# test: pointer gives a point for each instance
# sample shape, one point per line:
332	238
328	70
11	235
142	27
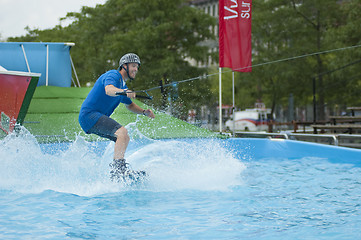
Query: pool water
196	189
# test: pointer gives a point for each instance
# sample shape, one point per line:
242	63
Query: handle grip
137	96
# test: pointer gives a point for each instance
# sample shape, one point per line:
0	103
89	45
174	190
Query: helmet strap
127	71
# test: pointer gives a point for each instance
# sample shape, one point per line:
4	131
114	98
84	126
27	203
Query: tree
165	34
286	29
345	83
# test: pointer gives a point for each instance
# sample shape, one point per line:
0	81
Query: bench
354	109
345	119
296	124
341	127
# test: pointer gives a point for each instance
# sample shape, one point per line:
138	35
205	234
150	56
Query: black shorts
106	127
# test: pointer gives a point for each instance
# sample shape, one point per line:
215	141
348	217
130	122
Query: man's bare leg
119	168
121	143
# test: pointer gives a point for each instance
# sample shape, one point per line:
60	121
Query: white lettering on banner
245	13
232	10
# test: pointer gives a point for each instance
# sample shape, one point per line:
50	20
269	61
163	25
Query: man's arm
111	90
138	110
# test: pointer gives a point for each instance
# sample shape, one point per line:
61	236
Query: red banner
235	46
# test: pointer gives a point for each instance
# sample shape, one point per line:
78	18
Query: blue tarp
59	69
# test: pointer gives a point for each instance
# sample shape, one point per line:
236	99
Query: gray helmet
129	58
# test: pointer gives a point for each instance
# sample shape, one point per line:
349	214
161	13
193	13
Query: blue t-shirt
98	103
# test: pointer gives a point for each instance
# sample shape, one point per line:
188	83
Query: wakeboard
130	177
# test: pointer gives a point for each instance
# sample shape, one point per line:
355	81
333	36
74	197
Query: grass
53	116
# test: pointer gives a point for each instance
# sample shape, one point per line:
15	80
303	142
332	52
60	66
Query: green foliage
346	82
164	33
286	29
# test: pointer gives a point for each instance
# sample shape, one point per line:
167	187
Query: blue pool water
196	189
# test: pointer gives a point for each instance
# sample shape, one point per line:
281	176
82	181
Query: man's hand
149	113
138	110
130	94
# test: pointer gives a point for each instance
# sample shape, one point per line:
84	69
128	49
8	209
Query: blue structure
52	60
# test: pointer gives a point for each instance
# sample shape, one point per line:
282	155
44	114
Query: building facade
209	7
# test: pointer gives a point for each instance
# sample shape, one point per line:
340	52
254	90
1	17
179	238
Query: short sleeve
112	79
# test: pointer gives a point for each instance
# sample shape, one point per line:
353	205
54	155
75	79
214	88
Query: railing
348	140
260	135
344	140
317	138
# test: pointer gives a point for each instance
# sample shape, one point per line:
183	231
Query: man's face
133	69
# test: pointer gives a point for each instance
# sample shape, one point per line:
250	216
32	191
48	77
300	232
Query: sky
15	15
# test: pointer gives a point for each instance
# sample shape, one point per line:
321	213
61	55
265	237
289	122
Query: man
100	104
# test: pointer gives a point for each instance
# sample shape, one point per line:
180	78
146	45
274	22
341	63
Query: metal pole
314	103
47	66
26	59
233	104
76	75
220	100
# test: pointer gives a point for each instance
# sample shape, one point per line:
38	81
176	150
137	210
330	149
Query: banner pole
220	100
233	104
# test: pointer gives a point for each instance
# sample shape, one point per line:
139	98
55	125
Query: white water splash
82	169
175	165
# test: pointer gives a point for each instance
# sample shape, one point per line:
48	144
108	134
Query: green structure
53	116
